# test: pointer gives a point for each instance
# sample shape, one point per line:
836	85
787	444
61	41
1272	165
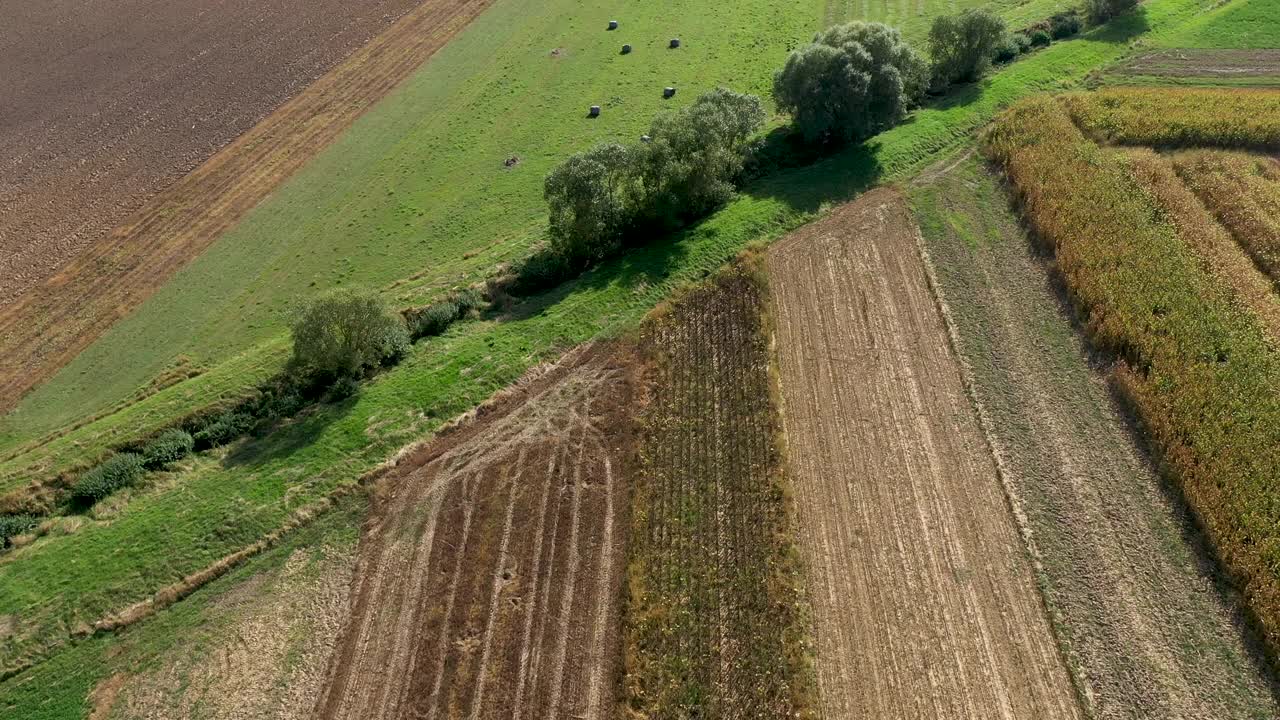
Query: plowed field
924	598
489	575
92	139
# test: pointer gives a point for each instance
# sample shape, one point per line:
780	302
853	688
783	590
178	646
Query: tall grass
1197	367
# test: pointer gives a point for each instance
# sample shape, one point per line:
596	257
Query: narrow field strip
713	628
1147	630
924	599
49	325
492	555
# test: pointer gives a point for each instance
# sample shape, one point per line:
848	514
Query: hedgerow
14	525
168	447
1196	366
119	471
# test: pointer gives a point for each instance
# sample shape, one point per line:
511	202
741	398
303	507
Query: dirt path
925	604
489	576
1150	635
111	274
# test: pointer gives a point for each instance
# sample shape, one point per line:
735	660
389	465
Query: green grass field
1245	25
913	16
220	503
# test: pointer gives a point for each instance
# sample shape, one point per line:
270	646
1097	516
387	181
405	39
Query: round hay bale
613	24
645	138
594	111
668	92
675	42
626	49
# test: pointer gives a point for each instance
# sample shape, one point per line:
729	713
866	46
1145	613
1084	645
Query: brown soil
1204	63
490	572
924	598
138	126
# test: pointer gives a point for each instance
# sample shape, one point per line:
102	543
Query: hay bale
675	42
645	139
613	24
626	49
594	111
668	92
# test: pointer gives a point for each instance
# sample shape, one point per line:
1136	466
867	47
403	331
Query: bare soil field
98	206
712	626
1134	599
490	572
924	597
1201	63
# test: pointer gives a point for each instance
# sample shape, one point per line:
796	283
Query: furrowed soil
490	572
1148	630
97	211
714	625
1199	63
924	598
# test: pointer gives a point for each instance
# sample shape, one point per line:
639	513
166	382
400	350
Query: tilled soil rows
92	140
490	573
1204	63
924	598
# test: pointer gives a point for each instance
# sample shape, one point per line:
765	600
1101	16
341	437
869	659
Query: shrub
434	319
223	429
1064	25
1006	50
343	388
347	333
541	270
168	447
1040	38
120	470
852	82
694	155
591	198
963	45
1103	10
13	525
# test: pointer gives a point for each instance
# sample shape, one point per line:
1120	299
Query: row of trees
685	166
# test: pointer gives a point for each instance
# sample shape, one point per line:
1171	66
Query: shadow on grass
284	437
1122	29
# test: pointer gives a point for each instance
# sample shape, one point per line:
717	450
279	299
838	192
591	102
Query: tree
346	332
963	45
693	156
1103	10
591	199
852	82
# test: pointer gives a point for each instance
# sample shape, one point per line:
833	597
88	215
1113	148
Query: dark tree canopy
963	45
852	82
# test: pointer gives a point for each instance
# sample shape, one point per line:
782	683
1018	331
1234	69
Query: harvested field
713	628
270	655
66	187
924	598
1199	63
1136	603
490	573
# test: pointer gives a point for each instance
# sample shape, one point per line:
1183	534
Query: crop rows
713	620
1225	118
1196	364
1243	191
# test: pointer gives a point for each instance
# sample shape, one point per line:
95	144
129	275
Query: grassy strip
713	624
1243	191
1245	24
149	536
1198	368
59	689
1229	118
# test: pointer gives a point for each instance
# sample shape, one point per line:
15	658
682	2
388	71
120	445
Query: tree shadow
1122	29
281	438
